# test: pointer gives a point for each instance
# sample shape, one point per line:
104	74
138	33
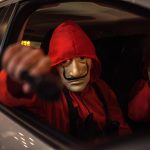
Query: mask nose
75	69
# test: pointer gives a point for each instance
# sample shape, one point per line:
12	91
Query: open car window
118	36
121	40
5	17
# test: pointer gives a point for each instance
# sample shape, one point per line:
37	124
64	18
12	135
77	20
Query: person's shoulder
104	87
102	83
139	86
106	90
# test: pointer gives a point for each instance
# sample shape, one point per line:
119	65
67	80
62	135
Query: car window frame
12	36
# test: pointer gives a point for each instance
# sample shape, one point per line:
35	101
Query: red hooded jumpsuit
139	106
69	41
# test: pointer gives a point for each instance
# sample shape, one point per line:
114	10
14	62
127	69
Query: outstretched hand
18	58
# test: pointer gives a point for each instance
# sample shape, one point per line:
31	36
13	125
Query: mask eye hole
66	63
82	59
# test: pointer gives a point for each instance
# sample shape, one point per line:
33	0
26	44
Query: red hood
68	41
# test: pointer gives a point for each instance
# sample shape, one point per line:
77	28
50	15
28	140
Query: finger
17	59
29	61
26	88
9	53
43	67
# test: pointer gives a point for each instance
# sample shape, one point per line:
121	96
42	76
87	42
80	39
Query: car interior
121	39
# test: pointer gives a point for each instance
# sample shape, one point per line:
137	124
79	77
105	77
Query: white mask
75	73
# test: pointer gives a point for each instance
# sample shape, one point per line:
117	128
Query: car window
117	35
5	14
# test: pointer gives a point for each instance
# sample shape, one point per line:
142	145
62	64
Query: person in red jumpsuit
87	107
139	105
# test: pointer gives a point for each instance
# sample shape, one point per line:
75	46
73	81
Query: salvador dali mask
75	73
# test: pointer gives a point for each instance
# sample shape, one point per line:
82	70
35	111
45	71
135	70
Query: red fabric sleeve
7	98
114	108
54	113
138	108
33	104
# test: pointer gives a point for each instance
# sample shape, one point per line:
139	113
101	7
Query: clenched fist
18	58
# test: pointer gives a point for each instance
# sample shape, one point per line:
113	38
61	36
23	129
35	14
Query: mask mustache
71	78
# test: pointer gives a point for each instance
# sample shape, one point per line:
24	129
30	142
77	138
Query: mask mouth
71	78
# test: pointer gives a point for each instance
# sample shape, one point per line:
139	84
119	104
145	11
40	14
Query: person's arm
14	90
139	105
11	93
